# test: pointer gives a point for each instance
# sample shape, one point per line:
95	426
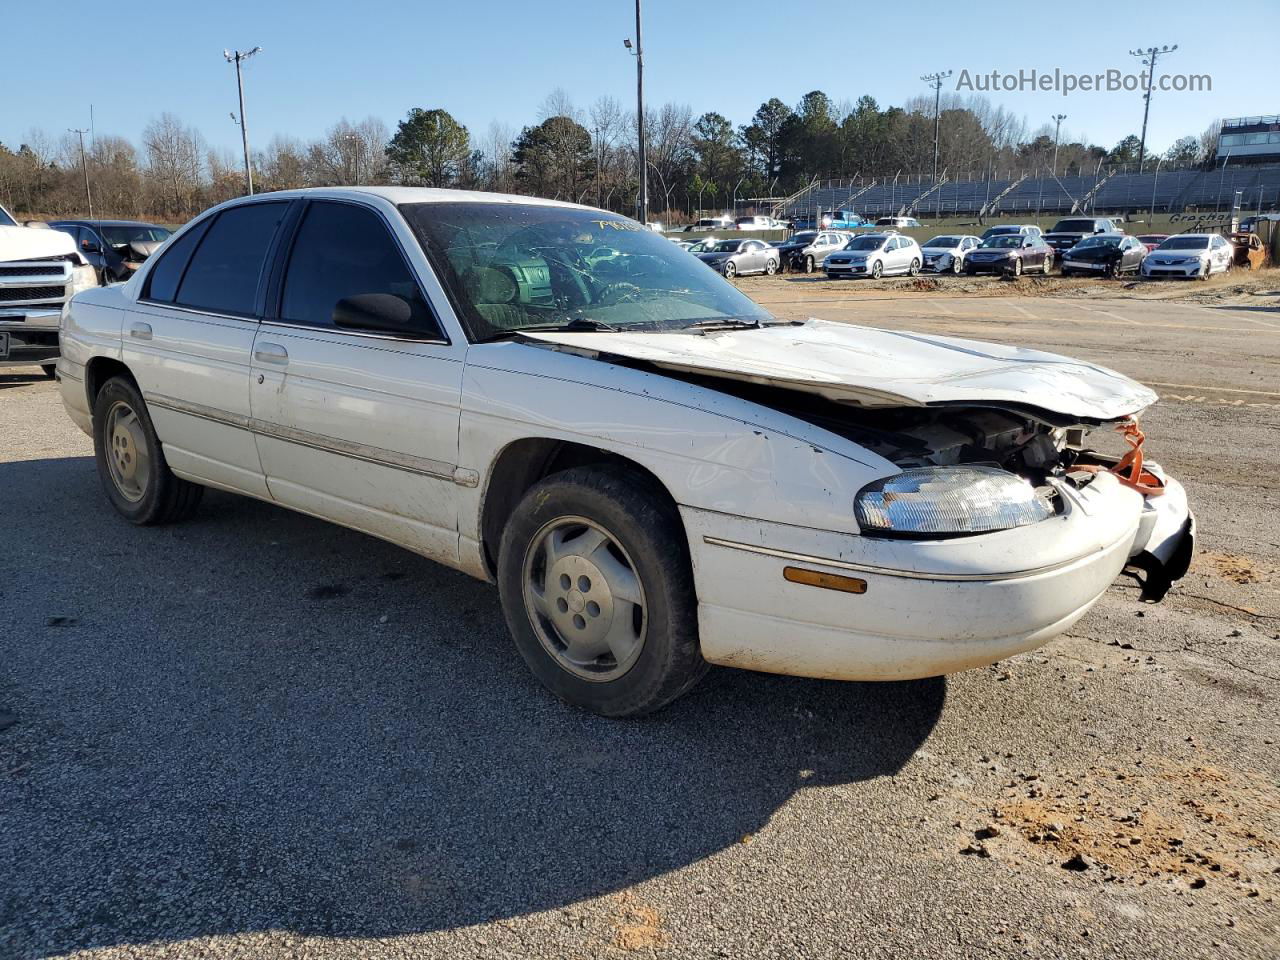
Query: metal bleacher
1116	190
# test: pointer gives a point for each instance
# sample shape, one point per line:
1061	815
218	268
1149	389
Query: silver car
875	255
945	254
737	257
809	257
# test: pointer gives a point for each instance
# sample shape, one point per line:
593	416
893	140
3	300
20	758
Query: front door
356	414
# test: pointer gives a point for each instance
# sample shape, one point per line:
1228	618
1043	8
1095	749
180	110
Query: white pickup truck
40	270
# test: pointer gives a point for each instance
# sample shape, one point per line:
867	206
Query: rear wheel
131	463
914	269
770	267
730	270
1046	267
597	590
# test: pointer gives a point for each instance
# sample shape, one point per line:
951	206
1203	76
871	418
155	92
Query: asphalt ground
256	734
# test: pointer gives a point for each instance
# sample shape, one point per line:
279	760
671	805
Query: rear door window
225	270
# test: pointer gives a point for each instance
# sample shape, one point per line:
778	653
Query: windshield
1073	226
867	241
1185	243
510	266
1099	242
1004	240
123	236
804	238
5	219
943	242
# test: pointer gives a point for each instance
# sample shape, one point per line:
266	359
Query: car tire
615	538
131	462
876	270
770	267
1016	269
956	266
808	265
730	270
1046	265
50	370
914	269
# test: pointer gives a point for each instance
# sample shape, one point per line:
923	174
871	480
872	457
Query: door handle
271	353
140	331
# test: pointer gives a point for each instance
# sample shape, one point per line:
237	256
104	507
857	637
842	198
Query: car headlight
949	500
83	278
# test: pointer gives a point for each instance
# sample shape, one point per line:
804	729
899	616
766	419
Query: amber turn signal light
828	581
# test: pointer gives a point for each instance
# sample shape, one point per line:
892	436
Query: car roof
399	195
104	223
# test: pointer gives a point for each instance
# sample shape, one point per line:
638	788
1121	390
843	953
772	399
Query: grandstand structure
1105	191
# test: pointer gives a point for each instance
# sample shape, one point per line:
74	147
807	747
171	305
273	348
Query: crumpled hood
882	368
27	243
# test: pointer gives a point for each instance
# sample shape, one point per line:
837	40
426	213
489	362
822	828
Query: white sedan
945	254
1190	256
657	474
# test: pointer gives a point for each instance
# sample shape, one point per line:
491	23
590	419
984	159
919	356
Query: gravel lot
258	734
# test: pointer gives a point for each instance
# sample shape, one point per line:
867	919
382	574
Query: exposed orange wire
1129	470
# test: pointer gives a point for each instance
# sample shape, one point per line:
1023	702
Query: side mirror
374	311
90	246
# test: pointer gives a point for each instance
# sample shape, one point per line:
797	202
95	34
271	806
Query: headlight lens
83	278
947	500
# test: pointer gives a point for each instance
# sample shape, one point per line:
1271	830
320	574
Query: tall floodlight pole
935	80
1148	58
238	58
1057	129
84	166
356	142
642	200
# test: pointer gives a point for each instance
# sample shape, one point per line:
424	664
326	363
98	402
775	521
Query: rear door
188	339
355	423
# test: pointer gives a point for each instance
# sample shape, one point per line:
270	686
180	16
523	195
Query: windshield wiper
576	325
722	323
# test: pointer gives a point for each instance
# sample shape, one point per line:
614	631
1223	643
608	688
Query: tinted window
162	282
224	271
343	250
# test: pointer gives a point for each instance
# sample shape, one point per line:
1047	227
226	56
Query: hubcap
128	459
584	599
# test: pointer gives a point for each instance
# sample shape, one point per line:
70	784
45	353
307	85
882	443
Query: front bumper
987	266
29	340
929	607
1091	265
1186	270
845	269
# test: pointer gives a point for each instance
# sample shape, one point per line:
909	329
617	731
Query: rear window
224	271
1073	226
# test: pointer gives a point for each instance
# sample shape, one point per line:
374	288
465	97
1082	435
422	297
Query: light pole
1148	58
355	154
642	201
1057	129
238	58
84	165
935	80
1155	180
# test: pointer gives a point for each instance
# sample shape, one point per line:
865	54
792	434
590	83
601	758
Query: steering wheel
615	293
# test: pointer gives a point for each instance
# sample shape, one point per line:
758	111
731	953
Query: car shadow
259	721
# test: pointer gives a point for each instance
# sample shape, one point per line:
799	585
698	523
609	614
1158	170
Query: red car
1152	240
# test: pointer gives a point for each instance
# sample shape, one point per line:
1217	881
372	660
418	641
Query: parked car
1010	229
1152	240
1198	255
946	253
806	250
1070	231
710	223
897	223
1250	224
1249	253
875	255
1107	254
735	258
1011	253
705	245
845	220
416	364
116	248
758	223
40	270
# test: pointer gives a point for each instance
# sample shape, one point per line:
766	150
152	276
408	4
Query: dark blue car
116	248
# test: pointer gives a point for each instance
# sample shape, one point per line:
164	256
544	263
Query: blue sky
498	59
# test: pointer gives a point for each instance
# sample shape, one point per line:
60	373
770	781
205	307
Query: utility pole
1057	129
238	58
1148	58
642	202
935	80
84	165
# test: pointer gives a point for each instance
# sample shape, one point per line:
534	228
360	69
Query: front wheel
808	264
914	269
597	589
131	463
956	266
877	268
1016	268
